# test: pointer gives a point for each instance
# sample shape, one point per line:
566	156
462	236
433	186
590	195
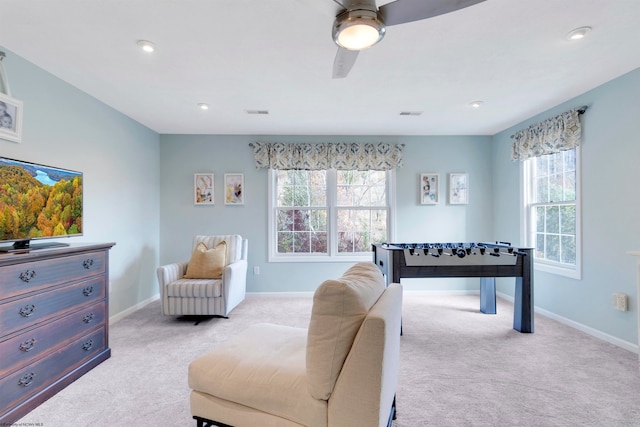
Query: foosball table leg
488	295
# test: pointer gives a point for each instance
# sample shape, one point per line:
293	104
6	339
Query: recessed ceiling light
146	45
476	104
203	106
578	33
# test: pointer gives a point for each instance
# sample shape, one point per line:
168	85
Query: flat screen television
38	202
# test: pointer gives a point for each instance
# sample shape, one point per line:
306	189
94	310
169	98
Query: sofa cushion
262	368
195	288
339	307
207	263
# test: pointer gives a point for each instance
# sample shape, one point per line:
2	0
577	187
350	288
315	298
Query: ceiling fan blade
343	62
403	11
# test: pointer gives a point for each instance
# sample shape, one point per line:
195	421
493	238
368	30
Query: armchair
207	297
341	371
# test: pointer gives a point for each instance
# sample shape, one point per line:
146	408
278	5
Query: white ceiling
277	55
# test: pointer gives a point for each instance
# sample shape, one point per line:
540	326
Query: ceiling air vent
263	112
410	113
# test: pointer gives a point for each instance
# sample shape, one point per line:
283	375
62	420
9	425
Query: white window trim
574	272
273	255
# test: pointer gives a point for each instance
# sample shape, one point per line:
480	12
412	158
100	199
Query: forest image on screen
38	201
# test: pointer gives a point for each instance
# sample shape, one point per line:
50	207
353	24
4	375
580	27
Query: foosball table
484	260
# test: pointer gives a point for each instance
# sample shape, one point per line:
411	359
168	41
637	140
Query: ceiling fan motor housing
352	20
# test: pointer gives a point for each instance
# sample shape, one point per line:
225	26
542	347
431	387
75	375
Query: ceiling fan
361	24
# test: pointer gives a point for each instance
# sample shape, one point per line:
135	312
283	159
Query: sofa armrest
365	389
170	273
234	280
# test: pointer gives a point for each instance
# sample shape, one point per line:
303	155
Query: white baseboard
113	319
579	326
277	294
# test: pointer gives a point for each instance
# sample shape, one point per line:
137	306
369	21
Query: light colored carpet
458	367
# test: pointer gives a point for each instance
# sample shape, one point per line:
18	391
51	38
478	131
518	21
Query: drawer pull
27	310
27	275
88	318
87	263
27	345
87	291
26	380
87	345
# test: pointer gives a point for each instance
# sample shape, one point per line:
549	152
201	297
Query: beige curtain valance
340	156
559	133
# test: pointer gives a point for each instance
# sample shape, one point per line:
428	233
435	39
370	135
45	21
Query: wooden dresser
54	322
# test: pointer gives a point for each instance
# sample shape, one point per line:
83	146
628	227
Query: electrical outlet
256	270
620	301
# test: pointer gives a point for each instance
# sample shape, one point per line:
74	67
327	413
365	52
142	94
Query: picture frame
203	189
429	188
10	118
458	188
234	189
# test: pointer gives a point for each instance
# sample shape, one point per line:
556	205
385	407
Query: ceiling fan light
146	46
578	33
358	29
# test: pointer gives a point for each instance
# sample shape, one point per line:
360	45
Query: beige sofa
341	371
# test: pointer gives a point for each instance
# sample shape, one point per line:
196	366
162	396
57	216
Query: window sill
573	273
323	258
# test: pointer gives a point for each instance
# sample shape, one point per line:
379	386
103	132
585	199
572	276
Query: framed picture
10	118
458	188
203	189
233	189
429	188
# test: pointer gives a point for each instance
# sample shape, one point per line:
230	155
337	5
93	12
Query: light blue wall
138	194
610	207
184	155
120	159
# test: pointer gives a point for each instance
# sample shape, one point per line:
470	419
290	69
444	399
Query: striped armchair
206	297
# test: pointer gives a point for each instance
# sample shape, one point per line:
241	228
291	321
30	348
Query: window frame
333	255
528	206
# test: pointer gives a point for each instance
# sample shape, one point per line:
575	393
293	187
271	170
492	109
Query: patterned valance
340	156
556	134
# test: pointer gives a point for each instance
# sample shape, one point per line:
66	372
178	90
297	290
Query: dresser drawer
26	382
29	346
22	278
31	310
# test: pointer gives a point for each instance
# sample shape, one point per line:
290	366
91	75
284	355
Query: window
328	215
552	211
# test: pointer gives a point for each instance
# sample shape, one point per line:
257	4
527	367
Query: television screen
38	202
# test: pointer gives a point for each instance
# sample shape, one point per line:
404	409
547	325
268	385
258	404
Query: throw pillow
207	263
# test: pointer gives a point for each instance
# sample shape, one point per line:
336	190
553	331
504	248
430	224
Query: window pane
568	219
542	190
302	242
569	160
319	242
552	219
541	166
284	220
568	250
285	242
552	247
569	186
540	245
556	188
540	219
